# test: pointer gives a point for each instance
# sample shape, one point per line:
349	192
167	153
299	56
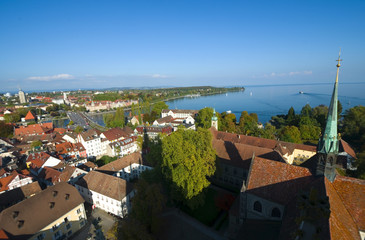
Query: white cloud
53	77
156	75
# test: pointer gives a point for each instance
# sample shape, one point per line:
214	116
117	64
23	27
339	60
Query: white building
179	113
92	143
106	192
122	147
14	180
22	98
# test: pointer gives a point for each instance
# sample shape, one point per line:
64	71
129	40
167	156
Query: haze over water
271	100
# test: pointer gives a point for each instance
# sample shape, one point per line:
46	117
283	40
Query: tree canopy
204	118
188	158
158	107
115	120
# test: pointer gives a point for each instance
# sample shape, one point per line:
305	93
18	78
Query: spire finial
339	60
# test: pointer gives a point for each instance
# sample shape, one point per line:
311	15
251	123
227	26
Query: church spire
327	149
329	140
214	120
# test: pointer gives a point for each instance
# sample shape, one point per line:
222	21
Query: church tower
214	120
328	144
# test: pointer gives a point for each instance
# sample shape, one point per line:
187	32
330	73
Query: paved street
99	223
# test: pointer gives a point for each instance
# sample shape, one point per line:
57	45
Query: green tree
36	144
309	132
269	132
290	134
188	158
248	123
148	204
119	118
115	120
320	114
79	129
228	123
306	111
204	118
12	118
6	130
354	127
159	106
291	118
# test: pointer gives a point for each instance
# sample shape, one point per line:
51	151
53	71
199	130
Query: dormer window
15	214
54	193
67	196
51	205
20	223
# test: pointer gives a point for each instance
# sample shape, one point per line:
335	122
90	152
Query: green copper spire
214	118
329	140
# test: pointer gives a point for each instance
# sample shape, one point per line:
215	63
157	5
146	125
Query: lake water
269	101
266	101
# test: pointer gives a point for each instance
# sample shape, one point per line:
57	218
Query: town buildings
112	194
55	213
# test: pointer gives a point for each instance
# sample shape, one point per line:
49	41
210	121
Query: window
78	211
80	217
68	226
55	227
82	223
257	206
69	233
275	213
66	220
40	236
57	235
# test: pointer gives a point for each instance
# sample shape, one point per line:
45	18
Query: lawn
207	213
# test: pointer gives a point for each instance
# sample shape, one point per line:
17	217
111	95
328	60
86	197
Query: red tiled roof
29	116
280	146
341	224
60	130
352	194
50	174
114	134
276	181
344	146
3	235
34	129
38	156
121	163
240	155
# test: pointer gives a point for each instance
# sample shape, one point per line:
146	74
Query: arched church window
275	213
257	206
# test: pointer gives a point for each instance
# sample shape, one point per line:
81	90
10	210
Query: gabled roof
50	174
192	112
90	134
276	181
279	146
352	194
115	133
29	116
240	155
121	163
16	195
166	119
40	128
5	181
345	147
63	197
107	185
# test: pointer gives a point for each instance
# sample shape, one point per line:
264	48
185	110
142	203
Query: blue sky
70	44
